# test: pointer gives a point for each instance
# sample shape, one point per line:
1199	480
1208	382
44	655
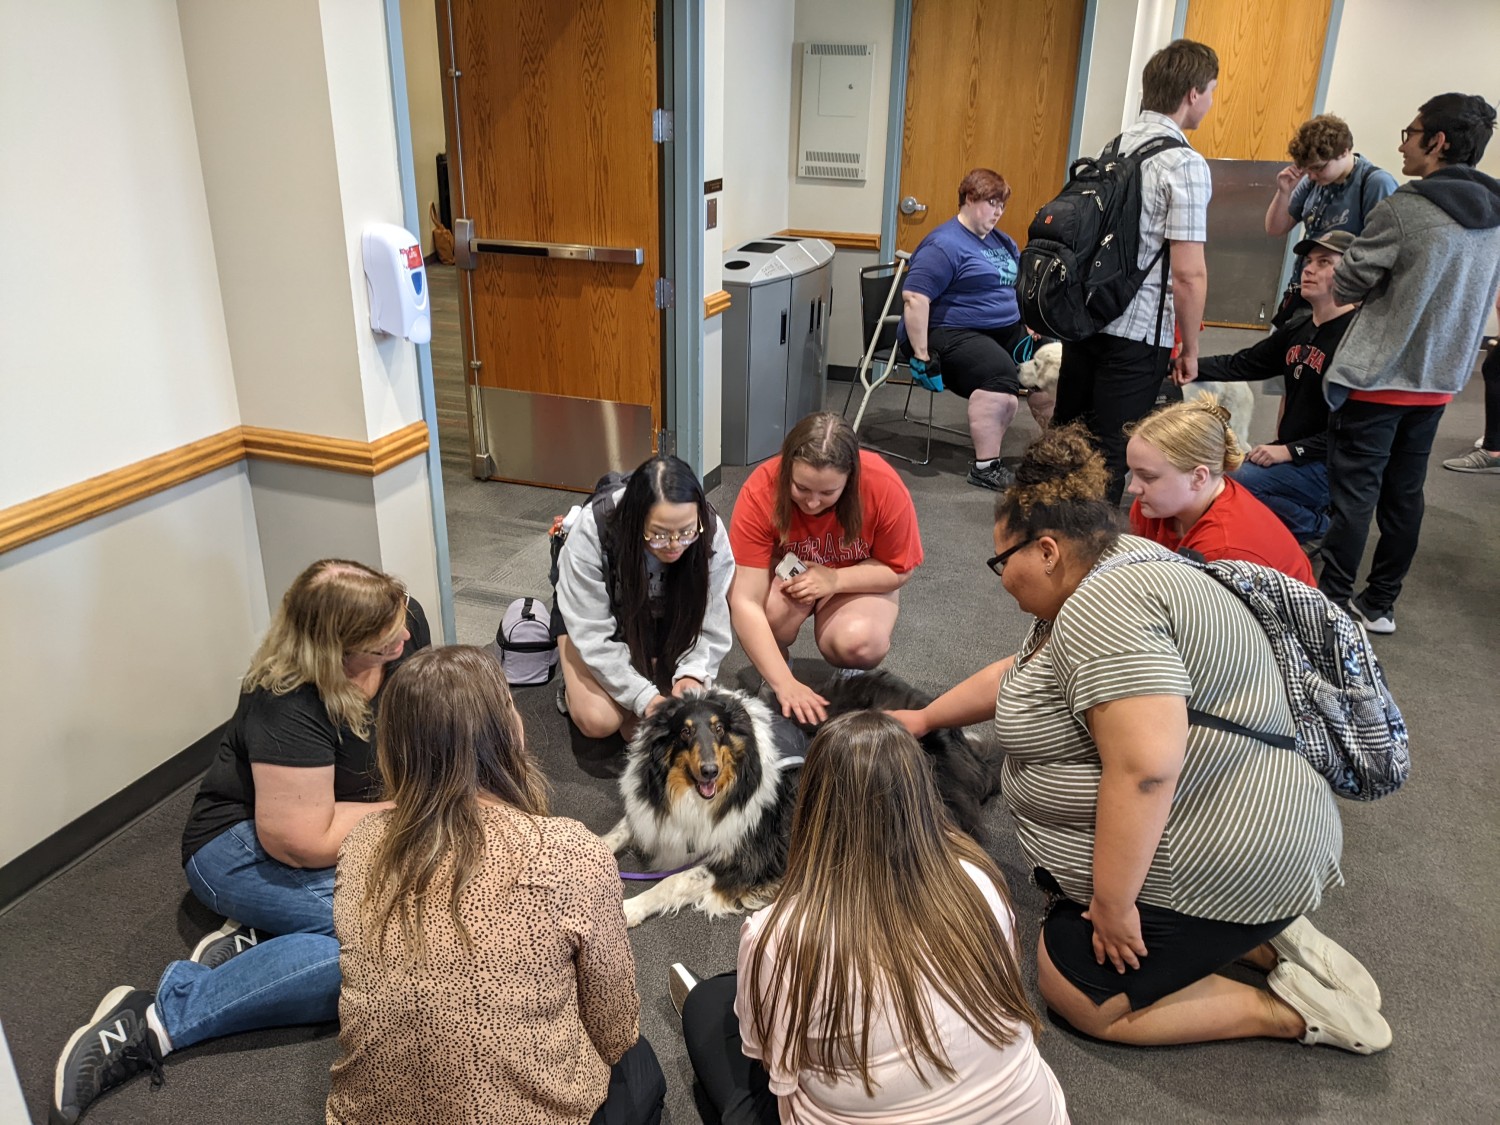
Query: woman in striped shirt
1168	850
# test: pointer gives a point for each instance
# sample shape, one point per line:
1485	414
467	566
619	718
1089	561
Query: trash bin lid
764	260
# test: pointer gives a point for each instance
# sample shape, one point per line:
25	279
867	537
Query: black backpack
1078	271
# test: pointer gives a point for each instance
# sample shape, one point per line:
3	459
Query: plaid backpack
1348	726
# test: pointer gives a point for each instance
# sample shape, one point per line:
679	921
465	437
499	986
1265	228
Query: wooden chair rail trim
844	240
67	507
715	303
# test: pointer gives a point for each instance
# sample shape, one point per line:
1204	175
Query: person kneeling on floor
642	598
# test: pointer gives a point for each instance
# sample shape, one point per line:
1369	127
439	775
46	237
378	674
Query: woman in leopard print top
486	972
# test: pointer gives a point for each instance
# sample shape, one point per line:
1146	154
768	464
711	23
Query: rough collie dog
712	779
1237	398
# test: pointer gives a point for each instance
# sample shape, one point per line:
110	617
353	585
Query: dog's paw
635	912
617	839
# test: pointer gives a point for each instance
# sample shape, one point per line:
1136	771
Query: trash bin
775	341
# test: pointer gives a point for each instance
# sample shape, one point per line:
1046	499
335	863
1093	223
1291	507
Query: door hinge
666	443
666	294
661	125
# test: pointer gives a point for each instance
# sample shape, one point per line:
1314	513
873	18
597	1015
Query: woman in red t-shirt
849	521
1178	457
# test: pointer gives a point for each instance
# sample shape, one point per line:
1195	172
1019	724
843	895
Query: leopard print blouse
521	1030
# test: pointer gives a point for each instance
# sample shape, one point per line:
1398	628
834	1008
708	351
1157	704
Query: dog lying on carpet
712	779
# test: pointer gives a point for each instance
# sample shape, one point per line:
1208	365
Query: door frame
895	122
681	68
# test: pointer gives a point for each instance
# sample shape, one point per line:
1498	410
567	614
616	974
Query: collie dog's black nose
709	769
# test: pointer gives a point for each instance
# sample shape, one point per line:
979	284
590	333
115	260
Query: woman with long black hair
642	597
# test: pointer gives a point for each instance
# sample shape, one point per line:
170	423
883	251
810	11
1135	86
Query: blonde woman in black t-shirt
295	772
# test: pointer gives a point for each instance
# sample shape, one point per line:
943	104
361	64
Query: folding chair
879	289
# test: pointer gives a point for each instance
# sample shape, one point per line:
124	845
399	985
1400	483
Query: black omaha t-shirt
287	730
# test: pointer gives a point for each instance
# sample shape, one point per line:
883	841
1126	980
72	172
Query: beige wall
1389	60
194	179
424	95
112	339
757	117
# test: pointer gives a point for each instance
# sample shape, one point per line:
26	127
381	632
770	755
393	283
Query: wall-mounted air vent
834	137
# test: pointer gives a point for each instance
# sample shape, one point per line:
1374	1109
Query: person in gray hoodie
643	598
1426	269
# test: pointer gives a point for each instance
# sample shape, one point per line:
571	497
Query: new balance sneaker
1477	460
229	940
993	476
1374	620
113	1047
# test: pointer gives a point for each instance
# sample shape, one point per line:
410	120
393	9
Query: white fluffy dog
1039	375
1237	398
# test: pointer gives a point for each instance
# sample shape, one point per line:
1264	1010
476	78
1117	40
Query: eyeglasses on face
1408	134
997	564
662	540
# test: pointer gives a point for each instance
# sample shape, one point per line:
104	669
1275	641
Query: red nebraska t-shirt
890	523
1236	526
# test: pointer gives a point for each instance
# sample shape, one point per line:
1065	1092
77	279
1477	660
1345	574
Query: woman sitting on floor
1168	850
848	518
1178	457
883	985
487	975
294	773
642	598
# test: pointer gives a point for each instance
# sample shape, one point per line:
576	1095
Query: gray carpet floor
1419	906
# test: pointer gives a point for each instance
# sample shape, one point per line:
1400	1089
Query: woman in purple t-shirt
961	324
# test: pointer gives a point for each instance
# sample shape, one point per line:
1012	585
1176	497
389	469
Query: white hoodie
583	600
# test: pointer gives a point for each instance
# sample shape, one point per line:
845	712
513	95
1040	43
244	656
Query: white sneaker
680	981
1327	960
1335	1018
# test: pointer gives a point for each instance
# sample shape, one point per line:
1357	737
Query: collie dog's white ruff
1237	398
686	830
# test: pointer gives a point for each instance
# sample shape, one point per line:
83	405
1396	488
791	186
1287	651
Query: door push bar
467	248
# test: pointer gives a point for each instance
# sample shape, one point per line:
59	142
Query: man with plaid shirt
1111	379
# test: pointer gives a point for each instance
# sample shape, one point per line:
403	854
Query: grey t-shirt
1340	206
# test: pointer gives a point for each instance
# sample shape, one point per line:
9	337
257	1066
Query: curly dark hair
1061	490
1323	138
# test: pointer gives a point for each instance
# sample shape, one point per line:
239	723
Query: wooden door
1270	54
551	118
989	84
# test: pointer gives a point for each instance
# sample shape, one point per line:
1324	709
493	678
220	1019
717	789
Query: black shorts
976	359
1181	949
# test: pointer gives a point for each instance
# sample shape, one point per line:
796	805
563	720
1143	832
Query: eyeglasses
997	564
1408	134
661	540
996	202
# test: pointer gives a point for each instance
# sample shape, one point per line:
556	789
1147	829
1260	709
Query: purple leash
649	875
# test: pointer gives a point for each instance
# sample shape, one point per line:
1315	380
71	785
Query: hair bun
1059	467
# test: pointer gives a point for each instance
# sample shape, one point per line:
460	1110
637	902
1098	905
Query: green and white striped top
1253	834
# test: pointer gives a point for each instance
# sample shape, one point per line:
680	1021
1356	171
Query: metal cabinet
775	341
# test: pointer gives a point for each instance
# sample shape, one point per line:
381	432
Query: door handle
783	326
467	248
910	206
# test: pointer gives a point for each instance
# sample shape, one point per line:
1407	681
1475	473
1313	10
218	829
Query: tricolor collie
711	779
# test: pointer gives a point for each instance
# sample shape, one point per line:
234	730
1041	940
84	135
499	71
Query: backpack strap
1215	722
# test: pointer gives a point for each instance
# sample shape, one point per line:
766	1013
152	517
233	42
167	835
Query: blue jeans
1298	494
289	979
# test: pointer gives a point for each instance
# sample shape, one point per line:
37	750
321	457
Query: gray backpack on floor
524	643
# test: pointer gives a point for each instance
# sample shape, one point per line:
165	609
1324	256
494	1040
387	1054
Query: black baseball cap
1338	241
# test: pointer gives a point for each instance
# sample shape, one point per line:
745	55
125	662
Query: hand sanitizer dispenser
397	282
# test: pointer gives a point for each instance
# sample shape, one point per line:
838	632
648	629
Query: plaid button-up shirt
1175	190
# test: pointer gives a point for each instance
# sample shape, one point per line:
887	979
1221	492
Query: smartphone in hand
789	567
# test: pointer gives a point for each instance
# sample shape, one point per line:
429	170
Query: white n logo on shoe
245	940
119	1035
